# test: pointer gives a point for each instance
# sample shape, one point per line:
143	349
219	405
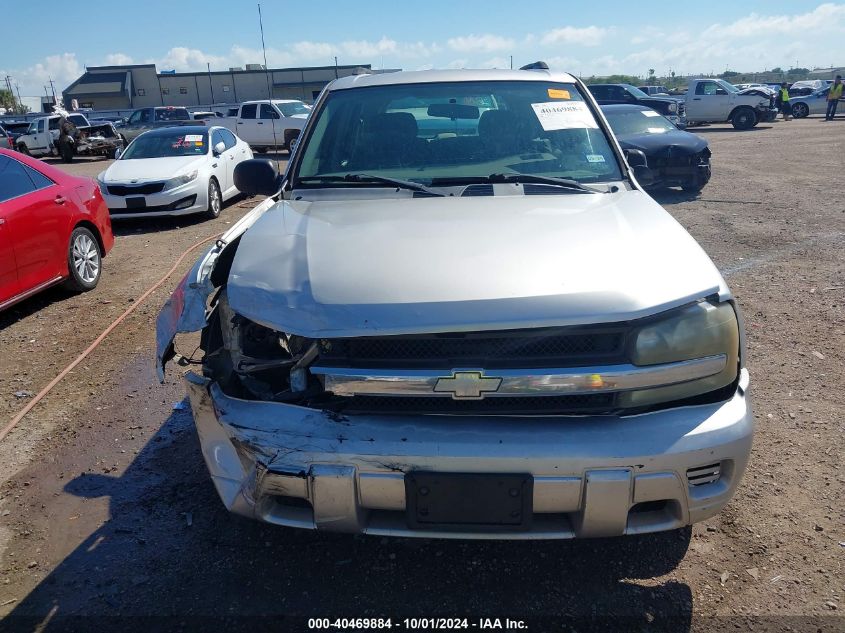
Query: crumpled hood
673	142
394	266
147	169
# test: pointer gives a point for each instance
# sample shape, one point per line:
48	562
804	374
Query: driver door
712	101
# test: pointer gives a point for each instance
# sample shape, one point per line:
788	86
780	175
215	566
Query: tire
800	110
110	154
125	142
260	150
23	149
215	200
84	261
744	119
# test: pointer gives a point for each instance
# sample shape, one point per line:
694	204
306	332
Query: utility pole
335	66
210	86
511	62
20	101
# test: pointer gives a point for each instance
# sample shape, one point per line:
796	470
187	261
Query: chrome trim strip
515	382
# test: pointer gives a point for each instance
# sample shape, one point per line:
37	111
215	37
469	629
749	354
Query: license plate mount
136	203
469	501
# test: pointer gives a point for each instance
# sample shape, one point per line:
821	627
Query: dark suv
670	107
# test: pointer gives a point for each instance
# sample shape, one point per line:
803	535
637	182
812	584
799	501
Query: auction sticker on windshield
564	116
650	113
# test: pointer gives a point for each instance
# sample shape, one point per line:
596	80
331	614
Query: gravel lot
106	507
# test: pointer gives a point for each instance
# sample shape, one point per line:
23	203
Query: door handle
240	122
59	200
696	98
214	165
260	123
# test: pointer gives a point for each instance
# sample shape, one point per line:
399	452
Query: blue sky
599	37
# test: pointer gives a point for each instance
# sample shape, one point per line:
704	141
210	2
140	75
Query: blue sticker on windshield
595	158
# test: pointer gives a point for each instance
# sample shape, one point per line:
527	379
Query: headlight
763	104
673	107
180	180
696	331
103	188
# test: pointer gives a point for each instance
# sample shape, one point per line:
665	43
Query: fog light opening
703	475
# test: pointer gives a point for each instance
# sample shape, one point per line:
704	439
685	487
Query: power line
267	74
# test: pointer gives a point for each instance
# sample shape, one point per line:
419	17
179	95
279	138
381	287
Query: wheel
83	261
744	119
260	150
23	149
800	110
215	199
125	142
111	154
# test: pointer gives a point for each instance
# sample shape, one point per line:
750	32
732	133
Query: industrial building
141	85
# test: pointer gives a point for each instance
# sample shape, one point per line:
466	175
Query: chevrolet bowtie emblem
467	385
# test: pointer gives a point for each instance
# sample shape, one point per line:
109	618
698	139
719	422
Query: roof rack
536	66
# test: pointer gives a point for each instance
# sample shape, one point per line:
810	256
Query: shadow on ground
169	549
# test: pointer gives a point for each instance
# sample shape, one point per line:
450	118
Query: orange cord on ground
8	428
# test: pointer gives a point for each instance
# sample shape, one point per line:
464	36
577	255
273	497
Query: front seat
390	140
498	131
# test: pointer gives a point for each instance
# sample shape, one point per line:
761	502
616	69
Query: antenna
267	74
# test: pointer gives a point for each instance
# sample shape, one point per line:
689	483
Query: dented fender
186	310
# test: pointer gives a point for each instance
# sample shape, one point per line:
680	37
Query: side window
54	124
248	111
146	116
14	181
268	111
38	179
706	88
41	125
136	117
217	137
599	92
228	138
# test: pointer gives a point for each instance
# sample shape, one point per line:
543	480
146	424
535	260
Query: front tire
23	149
66	152
215	200
800	110
744	119
84	261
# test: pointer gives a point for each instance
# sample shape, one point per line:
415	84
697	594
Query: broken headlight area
254	362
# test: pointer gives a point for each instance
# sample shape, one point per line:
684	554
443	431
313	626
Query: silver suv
459	315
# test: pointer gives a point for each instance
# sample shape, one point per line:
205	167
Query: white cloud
118	59
825	17
586	36
480	43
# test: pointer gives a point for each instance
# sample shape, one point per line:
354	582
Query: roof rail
536	66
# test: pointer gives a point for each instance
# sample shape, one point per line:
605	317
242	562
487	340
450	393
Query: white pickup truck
267	123
42	138
717	101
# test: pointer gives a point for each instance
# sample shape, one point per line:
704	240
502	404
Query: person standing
783	100
833	97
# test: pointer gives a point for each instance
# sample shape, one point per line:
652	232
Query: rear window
173	114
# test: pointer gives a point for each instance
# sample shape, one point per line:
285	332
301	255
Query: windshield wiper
370	178
540	180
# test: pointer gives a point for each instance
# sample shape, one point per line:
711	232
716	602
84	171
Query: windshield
290	109
166	145
436	133
635	91
728	87
630	122
172	114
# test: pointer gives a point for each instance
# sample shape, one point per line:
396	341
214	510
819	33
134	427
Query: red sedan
54	228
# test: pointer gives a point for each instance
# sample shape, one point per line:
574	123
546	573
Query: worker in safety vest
783	101
833	98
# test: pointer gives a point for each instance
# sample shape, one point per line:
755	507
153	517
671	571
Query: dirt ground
106	508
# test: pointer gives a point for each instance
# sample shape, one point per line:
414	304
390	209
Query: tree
777	70
798	71
8	101
729	73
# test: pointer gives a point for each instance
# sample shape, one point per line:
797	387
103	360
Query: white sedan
174	171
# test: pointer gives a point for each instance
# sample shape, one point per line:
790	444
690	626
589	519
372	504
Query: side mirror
220	148
118	153
258	177
639	165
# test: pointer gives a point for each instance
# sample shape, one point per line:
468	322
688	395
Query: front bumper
767	115
184	200
593	476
